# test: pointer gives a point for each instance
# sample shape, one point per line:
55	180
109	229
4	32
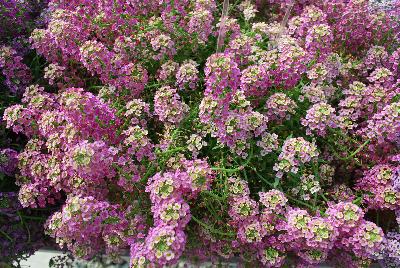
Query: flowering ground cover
264	131
21	229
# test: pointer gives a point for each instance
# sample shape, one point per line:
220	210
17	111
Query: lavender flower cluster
206	131
17	20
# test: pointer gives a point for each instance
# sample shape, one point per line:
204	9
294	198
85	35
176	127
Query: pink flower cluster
320	117
165	242
264	132
86	225
224	108
187	75
8	161
168	105
295	153
278	228
380	187
16	72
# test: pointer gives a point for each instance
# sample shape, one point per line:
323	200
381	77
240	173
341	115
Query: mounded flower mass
263	131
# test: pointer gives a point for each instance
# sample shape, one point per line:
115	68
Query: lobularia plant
281	148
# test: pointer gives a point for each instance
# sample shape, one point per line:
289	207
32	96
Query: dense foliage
204	130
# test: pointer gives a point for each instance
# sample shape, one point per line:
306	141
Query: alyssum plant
269	133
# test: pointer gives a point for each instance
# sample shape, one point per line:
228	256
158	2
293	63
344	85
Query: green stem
7	236
238	168
211	229
324	197
357	201
150	171
226	169
219	198
352	154
173	150
302	203
358	150
264	179
272	185
25	225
